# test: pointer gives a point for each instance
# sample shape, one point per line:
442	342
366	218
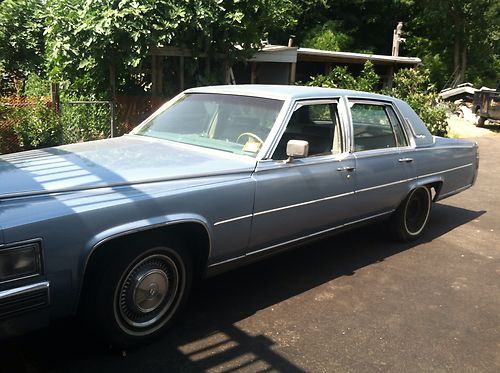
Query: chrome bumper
22	299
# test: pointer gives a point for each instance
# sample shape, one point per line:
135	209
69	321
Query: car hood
120	161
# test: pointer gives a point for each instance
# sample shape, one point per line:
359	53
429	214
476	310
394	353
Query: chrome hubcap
148	291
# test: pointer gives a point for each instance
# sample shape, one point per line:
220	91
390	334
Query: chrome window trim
292	107
271	164
24	289
357	100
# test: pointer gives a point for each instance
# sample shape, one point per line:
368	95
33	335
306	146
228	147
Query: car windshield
237	124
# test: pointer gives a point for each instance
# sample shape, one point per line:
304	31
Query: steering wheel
252	135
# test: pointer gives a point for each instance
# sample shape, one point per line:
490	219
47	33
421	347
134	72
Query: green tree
457	39
21	39
327	37
111	38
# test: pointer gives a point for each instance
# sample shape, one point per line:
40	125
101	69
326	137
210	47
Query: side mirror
297	149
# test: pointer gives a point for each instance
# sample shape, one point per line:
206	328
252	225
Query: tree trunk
112	96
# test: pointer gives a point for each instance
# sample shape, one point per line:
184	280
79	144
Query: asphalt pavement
357	302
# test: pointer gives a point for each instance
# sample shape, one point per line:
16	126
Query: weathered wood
253	73
293	72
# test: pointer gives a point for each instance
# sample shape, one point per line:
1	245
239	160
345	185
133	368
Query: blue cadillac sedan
117	230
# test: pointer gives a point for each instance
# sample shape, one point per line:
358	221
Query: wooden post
328	68
390	77
293	72
55	97
253	73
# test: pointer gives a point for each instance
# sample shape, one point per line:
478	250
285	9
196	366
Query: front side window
232	123
318	124
376	127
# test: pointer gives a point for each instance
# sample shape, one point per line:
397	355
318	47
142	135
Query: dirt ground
461	128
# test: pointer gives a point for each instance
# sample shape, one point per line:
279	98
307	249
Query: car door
307	196
382	169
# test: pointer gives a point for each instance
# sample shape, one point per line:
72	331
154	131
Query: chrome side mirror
297	149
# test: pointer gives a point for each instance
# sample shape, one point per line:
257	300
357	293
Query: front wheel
140	293
410	219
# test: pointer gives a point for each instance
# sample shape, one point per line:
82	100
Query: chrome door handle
405	160
347	168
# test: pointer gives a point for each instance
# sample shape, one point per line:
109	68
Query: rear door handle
407	160
347	168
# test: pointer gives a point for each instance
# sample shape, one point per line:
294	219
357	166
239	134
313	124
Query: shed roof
280	53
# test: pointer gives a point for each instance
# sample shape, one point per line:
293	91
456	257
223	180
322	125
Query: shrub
8	138
36	126
413	86
341	78
85	122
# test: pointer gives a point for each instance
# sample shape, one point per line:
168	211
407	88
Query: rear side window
376	127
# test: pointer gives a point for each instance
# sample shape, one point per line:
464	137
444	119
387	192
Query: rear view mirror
297	149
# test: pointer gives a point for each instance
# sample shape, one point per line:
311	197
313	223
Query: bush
36	126
85	122
341	78
413	86
8	138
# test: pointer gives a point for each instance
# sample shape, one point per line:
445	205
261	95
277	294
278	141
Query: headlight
19	262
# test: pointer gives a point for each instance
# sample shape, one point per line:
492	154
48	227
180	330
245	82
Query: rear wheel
139	293
410	219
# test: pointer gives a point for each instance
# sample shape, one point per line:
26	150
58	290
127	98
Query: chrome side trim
24	289
339	195
320	232
302	238
302	203
233	219
385	185
455	191
448	170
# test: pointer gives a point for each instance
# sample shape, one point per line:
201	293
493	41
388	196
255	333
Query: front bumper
17	308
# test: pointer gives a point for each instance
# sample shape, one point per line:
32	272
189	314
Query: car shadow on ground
207	337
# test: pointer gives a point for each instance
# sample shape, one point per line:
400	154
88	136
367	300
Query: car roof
285	91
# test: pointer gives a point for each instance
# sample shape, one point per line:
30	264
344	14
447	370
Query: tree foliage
94	35
327	37
21	40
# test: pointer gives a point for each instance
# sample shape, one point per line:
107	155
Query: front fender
96	241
